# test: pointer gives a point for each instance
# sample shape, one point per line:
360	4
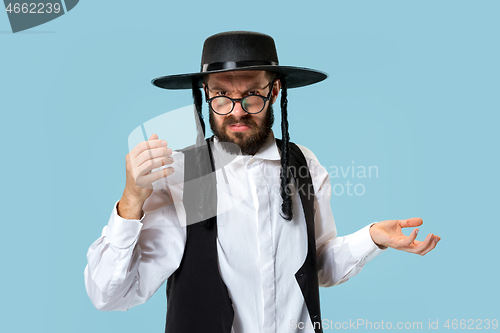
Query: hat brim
295	76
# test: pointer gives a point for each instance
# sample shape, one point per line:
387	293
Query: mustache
245	120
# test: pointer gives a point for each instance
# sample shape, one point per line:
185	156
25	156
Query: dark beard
252	144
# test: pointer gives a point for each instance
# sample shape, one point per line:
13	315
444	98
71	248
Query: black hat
236	51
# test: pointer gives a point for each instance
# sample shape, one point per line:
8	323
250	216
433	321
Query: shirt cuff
121	232
362	246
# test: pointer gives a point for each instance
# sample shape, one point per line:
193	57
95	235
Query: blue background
413	89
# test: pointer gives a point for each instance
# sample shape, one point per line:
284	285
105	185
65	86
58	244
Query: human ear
276	90
205	90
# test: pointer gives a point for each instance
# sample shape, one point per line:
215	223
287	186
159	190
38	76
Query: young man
251	259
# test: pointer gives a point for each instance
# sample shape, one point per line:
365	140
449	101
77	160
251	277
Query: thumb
153	137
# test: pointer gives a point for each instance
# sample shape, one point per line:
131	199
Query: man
263	246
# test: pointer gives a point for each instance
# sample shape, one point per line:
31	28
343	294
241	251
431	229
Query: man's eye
253	93
221	93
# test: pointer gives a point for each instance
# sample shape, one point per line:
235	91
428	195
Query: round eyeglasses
252	104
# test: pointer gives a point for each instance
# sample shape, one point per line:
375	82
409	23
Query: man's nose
238	111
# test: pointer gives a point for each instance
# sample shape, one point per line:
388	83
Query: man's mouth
238	127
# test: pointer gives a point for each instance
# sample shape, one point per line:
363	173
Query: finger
410	238
151	154
149	165
145	145
154	176
423	246
153	136
413	222
434	242
418	246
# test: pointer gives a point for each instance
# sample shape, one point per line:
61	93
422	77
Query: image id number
33	8
471	324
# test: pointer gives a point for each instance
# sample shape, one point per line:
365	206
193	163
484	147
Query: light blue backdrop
413	90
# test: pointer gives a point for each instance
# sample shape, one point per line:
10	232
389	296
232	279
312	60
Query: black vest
197	298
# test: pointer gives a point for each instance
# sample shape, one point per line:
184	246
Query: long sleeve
112	264
133	258
338	258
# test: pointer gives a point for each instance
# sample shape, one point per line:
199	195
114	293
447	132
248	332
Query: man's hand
146	156
388	233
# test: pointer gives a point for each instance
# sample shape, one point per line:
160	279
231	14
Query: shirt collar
269	151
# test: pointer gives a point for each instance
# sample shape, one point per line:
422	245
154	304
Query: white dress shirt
259	252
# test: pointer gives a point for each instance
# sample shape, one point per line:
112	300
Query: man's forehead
240	78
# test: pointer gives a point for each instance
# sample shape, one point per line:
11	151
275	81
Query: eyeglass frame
234	100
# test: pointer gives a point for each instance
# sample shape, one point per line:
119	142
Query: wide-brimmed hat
238	51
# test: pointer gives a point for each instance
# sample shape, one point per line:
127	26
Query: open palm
389	233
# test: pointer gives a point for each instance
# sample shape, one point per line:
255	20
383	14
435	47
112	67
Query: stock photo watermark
356	173
357	324
345	180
